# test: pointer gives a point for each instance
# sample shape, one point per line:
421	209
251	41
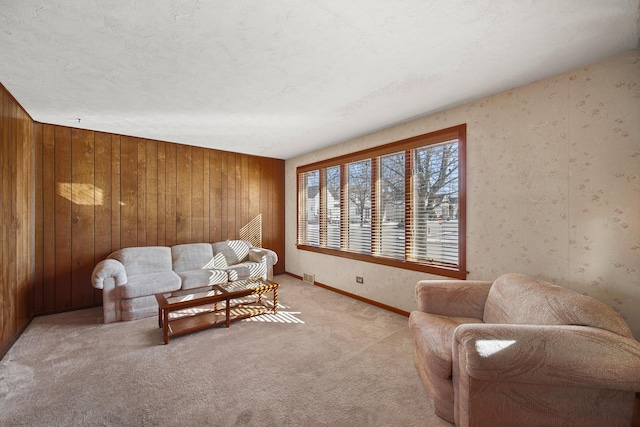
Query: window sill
438	270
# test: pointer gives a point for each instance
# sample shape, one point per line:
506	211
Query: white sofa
130	277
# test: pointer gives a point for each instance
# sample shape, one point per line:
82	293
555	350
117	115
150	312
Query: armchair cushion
522	299
561	355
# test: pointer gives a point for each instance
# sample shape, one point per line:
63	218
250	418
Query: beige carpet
325	360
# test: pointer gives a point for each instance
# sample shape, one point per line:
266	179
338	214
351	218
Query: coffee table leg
275	301
159	317
165	326
227	311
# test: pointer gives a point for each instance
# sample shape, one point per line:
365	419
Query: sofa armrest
548	354
107	275
266	257
459	298
257	254
108	268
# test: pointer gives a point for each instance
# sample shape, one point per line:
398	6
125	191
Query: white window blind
434	223
359	212
392	205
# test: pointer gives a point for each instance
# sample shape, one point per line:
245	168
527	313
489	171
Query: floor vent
309	278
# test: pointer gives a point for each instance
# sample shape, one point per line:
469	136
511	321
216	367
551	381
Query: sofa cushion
238	272
245	270
149	284
192	256
230	252
200	278
521	299
138	308
433	338
144	260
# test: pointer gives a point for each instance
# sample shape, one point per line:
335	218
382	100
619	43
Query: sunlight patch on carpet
282	316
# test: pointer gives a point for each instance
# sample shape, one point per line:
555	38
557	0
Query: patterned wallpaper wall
553	182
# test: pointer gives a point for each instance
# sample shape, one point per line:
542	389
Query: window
332	200
312	207
400	204
392	205
358	214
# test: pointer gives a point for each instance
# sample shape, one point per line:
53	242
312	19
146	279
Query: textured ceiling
280	78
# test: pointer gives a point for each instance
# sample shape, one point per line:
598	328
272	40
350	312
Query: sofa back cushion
192	256
521	299
144	260
230	252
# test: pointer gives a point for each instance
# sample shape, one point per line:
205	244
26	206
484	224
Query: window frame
407	145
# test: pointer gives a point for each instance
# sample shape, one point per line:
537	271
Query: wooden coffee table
184	312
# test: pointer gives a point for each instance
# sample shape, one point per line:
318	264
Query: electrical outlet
359	279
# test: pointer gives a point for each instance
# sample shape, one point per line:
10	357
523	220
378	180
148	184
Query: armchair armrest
548	354
460	298
108	269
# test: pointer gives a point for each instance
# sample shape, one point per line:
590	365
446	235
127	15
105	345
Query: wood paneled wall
97	192
69	197
16	220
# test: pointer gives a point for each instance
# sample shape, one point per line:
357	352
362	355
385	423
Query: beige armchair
522	352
